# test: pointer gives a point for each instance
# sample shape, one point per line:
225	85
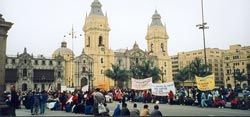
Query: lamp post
78	83
162	75
73	36
89	75
203	27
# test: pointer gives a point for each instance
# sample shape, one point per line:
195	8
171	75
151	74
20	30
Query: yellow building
96	44
236	58
157	46
214	56
69	64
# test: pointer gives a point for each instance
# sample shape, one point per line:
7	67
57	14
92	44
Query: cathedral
96	57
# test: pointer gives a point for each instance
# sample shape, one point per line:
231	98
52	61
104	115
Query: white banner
141	84
85	88
163	89
63	88
71	89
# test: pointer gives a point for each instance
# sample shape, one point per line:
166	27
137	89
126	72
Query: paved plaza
166	109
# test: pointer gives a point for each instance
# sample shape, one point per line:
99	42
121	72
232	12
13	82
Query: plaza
166	109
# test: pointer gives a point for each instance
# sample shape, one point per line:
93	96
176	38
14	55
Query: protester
171	96
156	112
135	111
43	100
203	100
125	111
98	99
145	111
117	111
89	104
13	100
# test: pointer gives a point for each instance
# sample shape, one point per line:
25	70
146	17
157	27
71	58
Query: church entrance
84	81
24	87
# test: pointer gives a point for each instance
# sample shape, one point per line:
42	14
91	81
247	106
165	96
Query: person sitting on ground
216	102
145	111
135	111
234	103
156	112
222	103
124	111
117	111
56	106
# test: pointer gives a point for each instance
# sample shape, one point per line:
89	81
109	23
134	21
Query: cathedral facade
96	46
28	72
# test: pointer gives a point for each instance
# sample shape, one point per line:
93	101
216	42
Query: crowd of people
93	102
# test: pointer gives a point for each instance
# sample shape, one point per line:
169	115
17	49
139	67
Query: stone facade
83	70
27	72
4	28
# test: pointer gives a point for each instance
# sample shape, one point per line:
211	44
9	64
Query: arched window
100	43
162	47
101	60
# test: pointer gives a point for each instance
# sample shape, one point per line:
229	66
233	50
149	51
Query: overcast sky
40	25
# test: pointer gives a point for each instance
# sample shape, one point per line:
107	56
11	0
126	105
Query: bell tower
96	43
157	38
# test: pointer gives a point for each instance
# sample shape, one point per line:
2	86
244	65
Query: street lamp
78	83
89	75
162	75
203	27
73	36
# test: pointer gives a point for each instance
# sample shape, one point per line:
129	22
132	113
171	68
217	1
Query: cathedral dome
63	51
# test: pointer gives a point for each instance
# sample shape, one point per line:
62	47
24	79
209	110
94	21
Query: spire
25	50
96	8
156	20
83	52
135	45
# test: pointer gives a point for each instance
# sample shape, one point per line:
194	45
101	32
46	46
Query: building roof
156	20
96	8
63	50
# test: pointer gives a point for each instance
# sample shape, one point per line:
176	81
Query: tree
145	71
239	76
197	68
117	74
182	75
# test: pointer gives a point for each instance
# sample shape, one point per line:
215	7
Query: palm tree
239	76
182	75
197	68
145	71
117	74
